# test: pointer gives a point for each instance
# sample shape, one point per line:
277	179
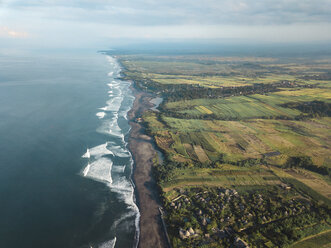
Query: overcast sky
66	23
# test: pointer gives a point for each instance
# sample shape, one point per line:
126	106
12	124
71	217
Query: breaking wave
100	114
100	150
101	165
108	244
100	170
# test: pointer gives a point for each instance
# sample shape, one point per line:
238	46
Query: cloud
99	22
175	12
7	32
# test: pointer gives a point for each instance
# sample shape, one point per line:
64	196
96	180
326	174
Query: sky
99	23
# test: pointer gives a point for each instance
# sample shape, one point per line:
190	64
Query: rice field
204	110
248	107
220	178
217	71
212	139
240	140
306	94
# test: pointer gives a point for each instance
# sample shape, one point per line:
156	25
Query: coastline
142	149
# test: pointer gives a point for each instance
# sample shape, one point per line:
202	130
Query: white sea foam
113	84
86	170
103	108
119	151
111	127
100	150
123	218
122	184
87	154
125	189
108	244
100	115
119	168
113	104
100	167
100	170
124	113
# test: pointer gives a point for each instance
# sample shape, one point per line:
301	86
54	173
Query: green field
322	240
215	72
220	178
233	123
252	106
242	139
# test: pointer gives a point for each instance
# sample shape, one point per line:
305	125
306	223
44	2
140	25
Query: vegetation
272	216
315	241
271	106
240	142
307	163
246	144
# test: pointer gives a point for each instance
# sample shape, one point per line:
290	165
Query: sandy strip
142	148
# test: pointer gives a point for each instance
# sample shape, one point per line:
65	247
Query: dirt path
141	146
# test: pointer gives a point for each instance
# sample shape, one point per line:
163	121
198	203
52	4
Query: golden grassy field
220	178
245	139
209	71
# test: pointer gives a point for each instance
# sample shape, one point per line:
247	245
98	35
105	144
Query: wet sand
142	149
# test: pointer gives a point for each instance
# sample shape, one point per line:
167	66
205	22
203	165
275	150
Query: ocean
65	177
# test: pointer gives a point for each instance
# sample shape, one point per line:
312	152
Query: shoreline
143	151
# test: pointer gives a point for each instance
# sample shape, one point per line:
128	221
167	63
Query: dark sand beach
142	148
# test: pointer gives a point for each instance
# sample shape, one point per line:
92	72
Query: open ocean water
65	170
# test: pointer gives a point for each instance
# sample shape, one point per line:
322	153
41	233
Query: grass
307	190
240	140
254	129
220	177
306	180
321	240
306	94
313	180
208	71
247	107
204	110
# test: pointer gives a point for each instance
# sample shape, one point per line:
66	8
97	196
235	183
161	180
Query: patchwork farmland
246	144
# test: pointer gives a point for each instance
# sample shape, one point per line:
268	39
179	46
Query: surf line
99	166
87	168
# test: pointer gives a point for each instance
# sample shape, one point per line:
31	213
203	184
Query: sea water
66	171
